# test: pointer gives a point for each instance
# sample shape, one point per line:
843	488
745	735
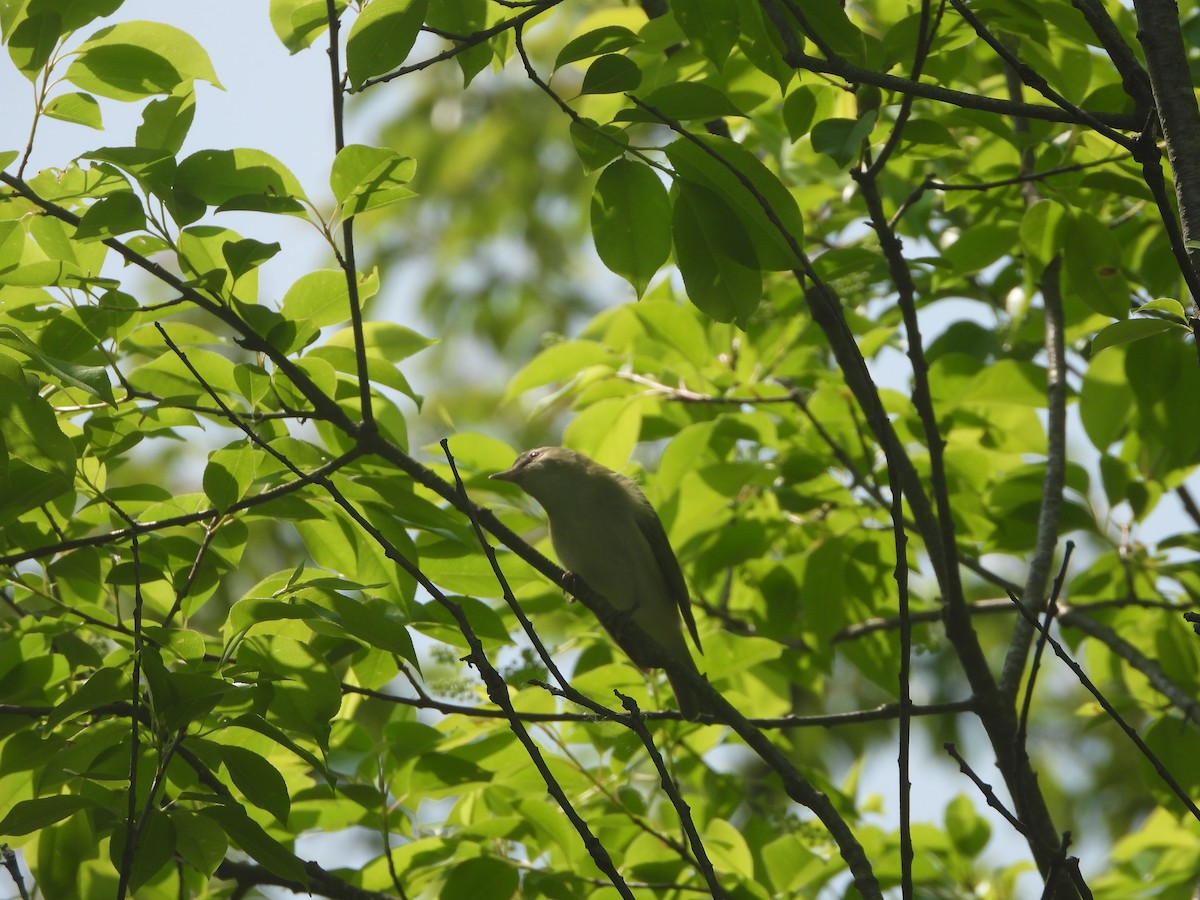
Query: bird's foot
570	584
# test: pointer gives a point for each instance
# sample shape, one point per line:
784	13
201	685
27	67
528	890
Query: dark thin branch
1167	778
703	863
859	75
14	869
925	35
516	23
346	258
994	710
1178	115
1057	852
568	691
210	531
1051	611
987	791
132	830
1178	696
905	679
1133	77
1189	504
320	882
1034	79
138	528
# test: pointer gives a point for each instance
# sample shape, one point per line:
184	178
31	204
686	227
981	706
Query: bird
604	530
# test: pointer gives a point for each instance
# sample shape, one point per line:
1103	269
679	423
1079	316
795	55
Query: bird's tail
692	705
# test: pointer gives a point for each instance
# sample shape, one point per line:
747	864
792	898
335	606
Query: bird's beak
507	475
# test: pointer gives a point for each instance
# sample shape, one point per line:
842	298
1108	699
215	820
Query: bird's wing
652	529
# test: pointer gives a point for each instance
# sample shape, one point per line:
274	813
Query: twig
703	863
905	721
1034	79
14	869
1050	612
349	267
516	22
988	793
1178	118
1179	697
1153	759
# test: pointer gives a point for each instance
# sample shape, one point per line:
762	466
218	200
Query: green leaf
199	840
230	472
1134	330
37	461
32	41
720	165
318	299
483	876
92	379
297	23
155	848
82	109
464	17
131	60
607	431
559	363
631	216
246	254
260	846
32	815
152	167
111	216
364	178
842	139
711	25
611	74
240	179
969	831
682	101
712	256
258	780
826	23
106	685
980	246
381	37
373	622
1092	258
166	122
606	39
1106	401
385	340
1167	305
596	144
1043	229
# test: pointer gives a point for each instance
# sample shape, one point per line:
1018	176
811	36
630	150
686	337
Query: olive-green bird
605	531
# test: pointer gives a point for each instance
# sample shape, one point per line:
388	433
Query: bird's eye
534	454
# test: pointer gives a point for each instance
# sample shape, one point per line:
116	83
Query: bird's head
545	471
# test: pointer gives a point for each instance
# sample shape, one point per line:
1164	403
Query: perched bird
605	531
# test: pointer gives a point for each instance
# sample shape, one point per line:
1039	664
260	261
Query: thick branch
1178	114
1038	575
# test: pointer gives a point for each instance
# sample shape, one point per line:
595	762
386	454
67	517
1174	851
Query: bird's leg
570	583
